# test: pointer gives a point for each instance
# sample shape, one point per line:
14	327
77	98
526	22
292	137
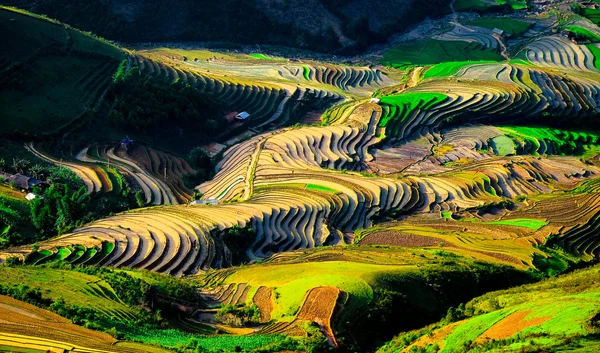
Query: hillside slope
558	314
323	25
26	328
50	73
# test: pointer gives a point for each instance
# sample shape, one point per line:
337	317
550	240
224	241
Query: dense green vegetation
59	210
14	216
65	205
186	342
511	26
51	74
140	104
238	240
436	51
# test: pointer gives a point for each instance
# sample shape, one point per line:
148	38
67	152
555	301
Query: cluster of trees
25	294
238	240
59	210
142	104
231	21
238	316
12	218
41	171
203	164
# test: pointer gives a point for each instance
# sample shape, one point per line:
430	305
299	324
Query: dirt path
250	173
503	49
414	77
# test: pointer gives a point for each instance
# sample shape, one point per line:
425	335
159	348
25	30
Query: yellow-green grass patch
292	281
534	224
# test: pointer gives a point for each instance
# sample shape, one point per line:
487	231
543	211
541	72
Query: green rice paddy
399	106
260	56
317	187
450	68
437	51
534	224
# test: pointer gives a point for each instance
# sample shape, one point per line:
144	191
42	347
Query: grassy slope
356	270
90	291
560	313
74	287
534	224
49	73
399	106
43	324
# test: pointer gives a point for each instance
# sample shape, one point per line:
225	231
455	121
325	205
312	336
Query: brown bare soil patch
318	306
502	257
511	325
311	118
403	239
263	299
435	337
140	156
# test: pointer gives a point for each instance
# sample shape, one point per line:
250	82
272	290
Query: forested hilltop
322	25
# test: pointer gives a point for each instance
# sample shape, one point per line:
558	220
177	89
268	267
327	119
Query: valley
436	195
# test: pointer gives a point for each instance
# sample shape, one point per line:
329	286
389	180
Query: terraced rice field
68	73
468	152
316	185
80	289
271	173
457	46
24	326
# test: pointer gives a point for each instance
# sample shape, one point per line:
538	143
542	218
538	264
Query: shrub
239	316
